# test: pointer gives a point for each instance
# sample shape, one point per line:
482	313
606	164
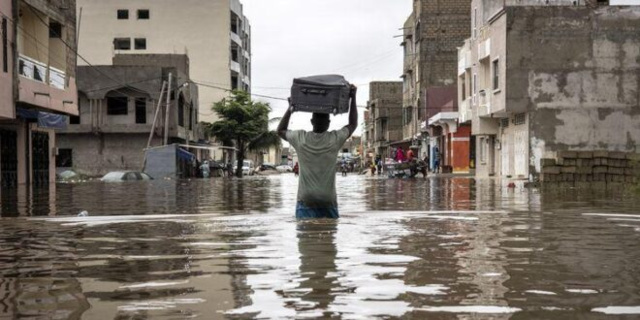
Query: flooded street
440	248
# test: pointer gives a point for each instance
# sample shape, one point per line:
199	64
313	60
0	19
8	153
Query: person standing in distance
317	153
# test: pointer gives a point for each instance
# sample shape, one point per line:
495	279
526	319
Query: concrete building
385	112
432	34
537	80
118	106
213	33
37	87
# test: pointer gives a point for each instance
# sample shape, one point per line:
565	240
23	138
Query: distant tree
244	123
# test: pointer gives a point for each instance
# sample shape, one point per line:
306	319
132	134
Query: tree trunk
241	155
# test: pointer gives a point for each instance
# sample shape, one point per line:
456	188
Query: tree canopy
243	123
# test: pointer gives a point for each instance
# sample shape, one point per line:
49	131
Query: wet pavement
440	248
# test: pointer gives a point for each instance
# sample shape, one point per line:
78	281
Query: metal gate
40	157
8	158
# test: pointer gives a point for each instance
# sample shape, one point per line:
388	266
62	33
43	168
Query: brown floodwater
440	248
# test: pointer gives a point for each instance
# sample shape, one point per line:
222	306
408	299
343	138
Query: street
440	248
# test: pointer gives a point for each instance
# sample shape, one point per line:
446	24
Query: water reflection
440	248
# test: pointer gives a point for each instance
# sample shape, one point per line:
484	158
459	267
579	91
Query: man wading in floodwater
317	154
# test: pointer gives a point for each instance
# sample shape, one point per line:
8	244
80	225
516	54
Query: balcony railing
32	69
38	71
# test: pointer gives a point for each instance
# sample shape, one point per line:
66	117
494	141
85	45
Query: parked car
117	176
267	166
284	168
248	168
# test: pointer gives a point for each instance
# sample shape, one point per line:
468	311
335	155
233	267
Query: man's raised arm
353	111
284	122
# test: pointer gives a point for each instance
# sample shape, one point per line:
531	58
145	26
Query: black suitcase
321	94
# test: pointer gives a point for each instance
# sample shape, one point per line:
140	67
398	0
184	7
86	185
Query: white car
247	168
284	168
118	176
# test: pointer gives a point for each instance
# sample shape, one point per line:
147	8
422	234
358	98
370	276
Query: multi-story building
385	110
118	122
37	86
432	34
538	79
213	33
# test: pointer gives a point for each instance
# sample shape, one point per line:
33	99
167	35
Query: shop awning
45	119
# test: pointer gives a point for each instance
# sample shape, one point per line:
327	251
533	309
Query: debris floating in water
84	213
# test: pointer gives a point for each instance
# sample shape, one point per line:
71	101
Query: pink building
37	87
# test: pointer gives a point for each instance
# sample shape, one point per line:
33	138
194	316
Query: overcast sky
296	38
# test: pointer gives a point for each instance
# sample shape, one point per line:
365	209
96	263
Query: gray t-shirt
317	156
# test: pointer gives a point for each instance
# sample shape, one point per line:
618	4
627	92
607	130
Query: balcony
45	86
235	66
484	49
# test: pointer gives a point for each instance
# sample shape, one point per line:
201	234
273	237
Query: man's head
320	122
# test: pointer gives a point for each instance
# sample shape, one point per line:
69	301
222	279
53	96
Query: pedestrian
400	155
426	161
343	168
229	170
378	164
410	155
296	169
372	166
317	152
204	168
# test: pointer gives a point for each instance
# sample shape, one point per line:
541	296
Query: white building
213	33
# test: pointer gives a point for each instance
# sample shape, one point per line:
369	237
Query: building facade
213	33
432	34
385	112
117	123
569	84
38	87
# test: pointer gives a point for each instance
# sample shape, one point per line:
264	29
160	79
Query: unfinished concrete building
432	35
539	80
118	107
385	112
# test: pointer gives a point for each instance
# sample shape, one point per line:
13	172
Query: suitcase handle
314	91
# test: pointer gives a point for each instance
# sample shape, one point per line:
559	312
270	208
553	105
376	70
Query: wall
95	155
199	28
7	109
577	71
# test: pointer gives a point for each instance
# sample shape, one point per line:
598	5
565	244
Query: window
64	159
481	151
408	115
140	43
234	82
122	43
143	14
504	122
55	30
496	74
5	47
463	87
519	119
123	14
181	111
117	106
141	110
74	120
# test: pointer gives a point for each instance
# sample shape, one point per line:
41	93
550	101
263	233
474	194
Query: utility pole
166	114
155	118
